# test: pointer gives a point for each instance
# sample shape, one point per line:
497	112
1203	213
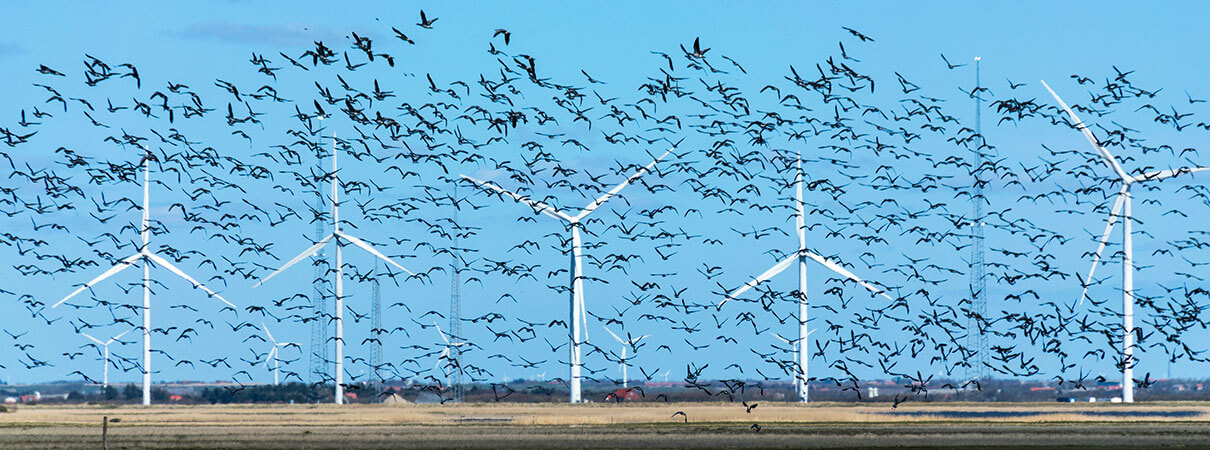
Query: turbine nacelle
579	313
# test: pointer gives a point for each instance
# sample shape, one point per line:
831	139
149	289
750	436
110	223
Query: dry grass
593	414
599	426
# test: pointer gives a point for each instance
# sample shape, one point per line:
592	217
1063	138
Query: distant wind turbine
342	239
445	353
1121	205
105	347
578	314
147	257
273	352
622	361
802	351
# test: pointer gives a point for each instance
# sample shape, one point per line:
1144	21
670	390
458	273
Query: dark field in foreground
985	435
1148	425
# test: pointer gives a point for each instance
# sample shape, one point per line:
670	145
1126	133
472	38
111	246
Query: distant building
622	394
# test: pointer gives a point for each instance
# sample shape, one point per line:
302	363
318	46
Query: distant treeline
538	391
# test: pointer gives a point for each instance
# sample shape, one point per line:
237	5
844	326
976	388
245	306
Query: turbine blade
368	248
1096	258
600	201
269	355
308	252
1108	157
444	354
536	205
1162	174
615	336
196	284
442	333
121	265
98	341
845	273
119	336
772	272
266	328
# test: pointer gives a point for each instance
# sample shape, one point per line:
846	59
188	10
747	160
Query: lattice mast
376	319
976	337
318	361
456	312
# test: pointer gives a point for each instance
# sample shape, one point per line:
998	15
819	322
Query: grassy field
609	425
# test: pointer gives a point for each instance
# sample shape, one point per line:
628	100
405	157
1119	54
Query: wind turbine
801	256
622	360
341	239
147	257
578	314
445	353
1121	204
273	352
105	346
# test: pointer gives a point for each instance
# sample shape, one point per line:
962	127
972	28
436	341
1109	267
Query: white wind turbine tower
802	352
445	353
578	314
147	257
622	360
341	239
105	346
274	352
1121	205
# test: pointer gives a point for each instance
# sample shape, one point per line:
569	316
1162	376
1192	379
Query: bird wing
600	201
308	252
196	284
1162	174
444	354
368	248
1113	218
119	336
1109	160
772	272
121	265
845	273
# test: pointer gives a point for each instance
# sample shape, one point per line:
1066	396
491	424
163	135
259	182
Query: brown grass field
646	425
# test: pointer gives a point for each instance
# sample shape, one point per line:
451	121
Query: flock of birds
889	167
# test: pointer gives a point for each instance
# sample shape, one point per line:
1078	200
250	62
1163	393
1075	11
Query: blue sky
195	45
